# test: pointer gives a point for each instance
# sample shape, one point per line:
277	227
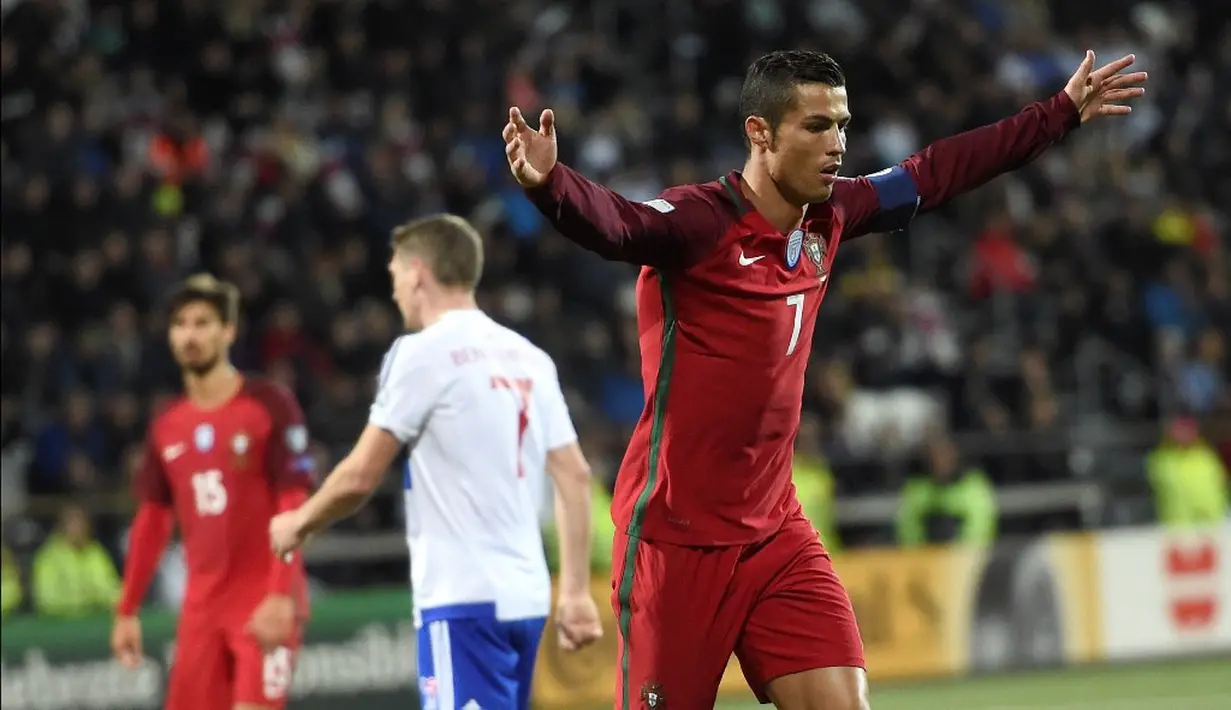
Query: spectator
274	143
80	435
10	582
286	339
1000	263
1202	380
890	421
73	574
1172	303
1189	481
1048	464
951	503
177	155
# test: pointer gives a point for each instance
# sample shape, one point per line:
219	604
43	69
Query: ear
417	268
759	132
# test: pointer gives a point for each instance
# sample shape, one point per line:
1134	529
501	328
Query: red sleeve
151	484
886	201
288	464
290	467
675	230
151	529
148	537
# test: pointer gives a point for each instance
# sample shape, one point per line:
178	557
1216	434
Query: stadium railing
1106	483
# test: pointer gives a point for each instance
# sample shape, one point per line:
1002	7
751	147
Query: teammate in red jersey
221	461
714	555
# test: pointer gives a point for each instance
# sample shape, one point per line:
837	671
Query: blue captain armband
897	199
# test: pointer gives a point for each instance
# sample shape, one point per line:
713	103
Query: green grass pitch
1188	685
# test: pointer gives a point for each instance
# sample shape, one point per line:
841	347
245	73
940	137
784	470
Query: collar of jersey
459	314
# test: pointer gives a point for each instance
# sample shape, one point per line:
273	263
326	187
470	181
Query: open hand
1105	91
577	623
531	153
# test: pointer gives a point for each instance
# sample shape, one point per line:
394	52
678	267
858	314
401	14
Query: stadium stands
1052	320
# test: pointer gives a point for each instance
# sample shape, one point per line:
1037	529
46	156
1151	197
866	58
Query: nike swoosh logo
745	261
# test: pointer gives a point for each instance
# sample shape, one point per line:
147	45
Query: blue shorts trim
476	662
479	610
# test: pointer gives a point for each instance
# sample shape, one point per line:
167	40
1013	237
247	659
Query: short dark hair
450	246
222	296
769	85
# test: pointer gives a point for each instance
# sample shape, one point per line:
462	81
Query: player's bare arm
667	232
577	622
342	494
952	166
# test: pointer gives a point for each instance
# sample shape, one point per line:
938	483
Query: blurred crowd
275	143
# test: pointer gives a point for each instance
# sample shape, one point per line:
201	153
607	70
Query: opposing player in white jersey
481	409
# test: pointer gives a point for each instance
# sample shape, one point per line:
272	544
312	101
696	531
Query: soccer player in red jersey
713	554
221	461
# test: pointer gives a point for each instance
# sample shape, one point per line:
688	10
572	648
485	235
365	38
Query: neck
445	302
761	190
211	389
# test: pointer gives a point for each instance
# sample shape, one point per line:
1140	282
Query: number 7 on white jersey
796	300
523	387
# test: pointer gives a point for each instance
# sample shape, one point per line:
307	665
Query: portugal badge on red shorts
652	696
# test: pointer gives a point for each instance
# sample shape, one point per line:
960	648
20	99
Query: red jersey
222	472
726	308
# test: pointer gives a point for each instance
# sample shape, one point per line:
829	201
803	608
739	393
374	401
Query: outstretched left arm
887	200
958	164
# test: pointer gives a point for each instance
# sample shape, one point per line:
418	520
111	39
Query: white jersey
479	406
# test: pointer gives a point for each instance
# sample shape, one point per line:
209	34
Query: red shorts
682	611
218	666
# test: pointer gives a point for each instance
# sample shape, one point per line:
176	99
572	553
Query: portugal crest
815	246
239	446
652	693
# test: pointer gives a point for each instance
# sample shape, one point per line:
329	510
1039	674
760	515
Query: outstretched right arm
151	529
671	231
675	230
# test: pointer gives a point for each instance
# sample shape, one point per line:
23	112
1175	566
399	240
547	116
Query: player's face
804	154
406	272
199	339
